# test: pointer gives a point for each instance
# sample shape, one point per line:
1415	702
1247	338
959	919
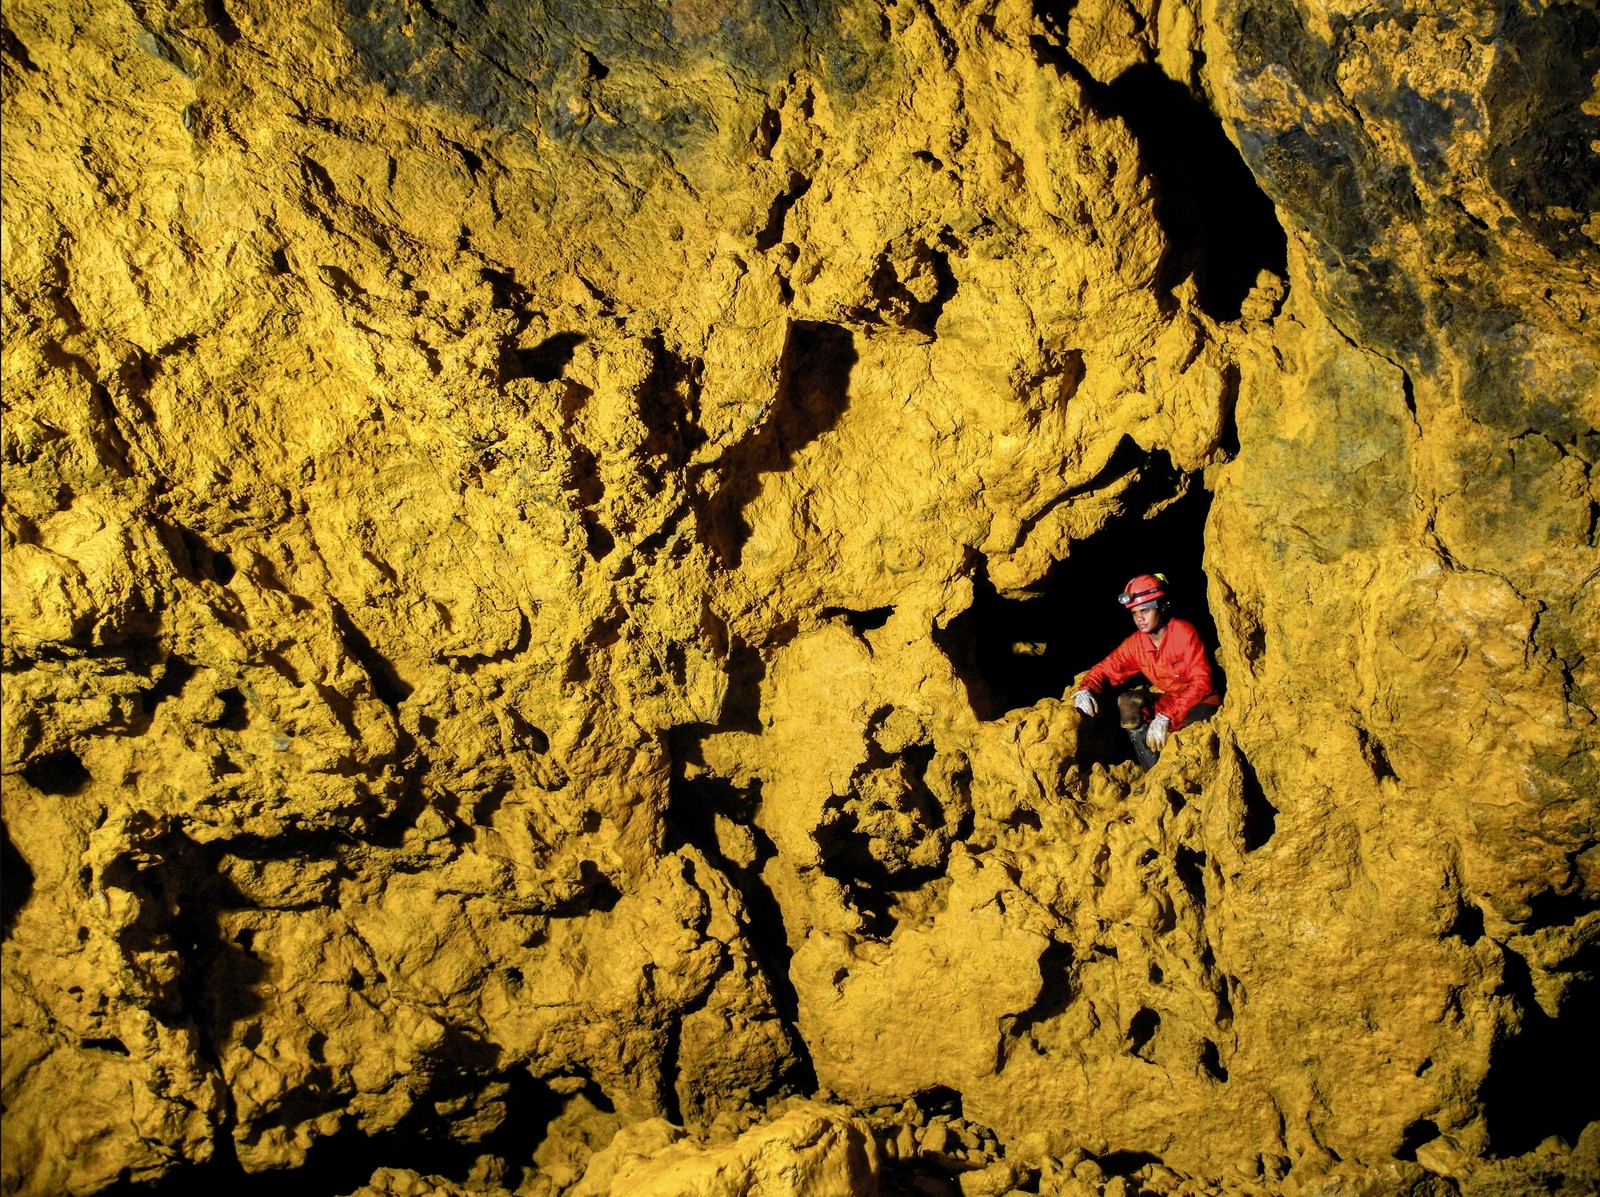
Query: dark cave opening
1020	650
1523	1094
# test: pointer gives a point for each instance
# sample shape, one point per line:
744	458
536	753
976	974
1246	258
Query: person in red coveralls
1169	654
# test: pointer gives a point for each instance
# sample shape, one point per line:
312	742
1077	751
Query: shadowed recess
544	362
876	842
1141	1030
180	890
1533	1087
1260	816
1221	228
1543	128
627	77
16	882
695	806
813	392
1030	647
1423	1130
344	1162
60	773
1055	988
1211	1061
1324	172
385	680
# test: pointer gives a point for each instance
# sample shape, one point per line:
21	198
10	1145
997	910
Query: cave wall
492	491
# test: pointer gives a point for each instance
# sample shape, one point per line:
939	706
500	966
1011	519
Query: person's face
1147	618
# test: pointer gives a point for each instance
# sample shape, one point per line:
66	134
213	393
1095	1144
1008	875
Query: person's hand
1085	702
1156	734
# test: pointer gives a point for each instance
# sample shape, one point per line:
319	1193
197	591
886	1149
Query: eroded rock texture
543	543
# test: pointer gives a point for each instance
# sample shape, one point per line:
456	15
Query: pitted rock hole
60	773
1027	648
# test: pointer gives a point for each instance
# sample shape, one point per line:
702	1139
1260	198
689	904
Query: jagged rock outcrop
542	543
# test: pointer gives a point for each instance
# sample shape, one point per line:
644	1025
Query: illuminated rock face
543	543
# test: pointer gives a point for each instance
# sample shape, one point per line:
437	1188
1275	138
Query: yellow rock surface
544	545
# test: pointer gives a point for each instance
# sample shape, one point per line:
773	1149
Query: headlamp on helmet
1146	588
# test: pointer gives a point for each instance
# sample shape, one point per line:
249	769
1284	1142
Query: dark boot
1142	752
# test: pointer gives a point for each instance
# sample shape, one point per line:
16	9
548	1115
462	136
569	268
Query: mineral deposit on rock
544	544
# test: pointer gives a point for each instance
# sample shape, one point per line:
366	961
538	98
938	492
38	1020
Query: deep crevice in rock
1260	816
175	676
694	805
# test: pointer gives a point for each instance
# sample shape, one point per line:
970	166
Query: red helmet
1146	588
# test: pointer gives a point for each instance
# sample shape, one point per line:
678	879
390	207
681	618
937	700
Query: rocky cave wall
509	512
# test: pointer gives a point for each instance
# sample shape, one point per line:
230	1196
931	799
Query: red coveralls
1179	669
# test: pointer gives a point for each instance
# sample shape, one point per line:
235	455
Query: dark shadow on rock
772	233
387	684
1539	1078
343	1162
16	882
180	892
60	773
693	807
846	846
1260	816
1055	989
1220	226
1543	127
893	301
669	406
813	392
544	362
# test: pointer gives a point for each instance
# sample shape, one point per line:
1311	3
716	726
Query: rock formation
543	544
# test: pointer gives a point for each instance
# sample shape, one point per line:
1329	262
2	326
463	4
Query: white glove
1156	734
1085	702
